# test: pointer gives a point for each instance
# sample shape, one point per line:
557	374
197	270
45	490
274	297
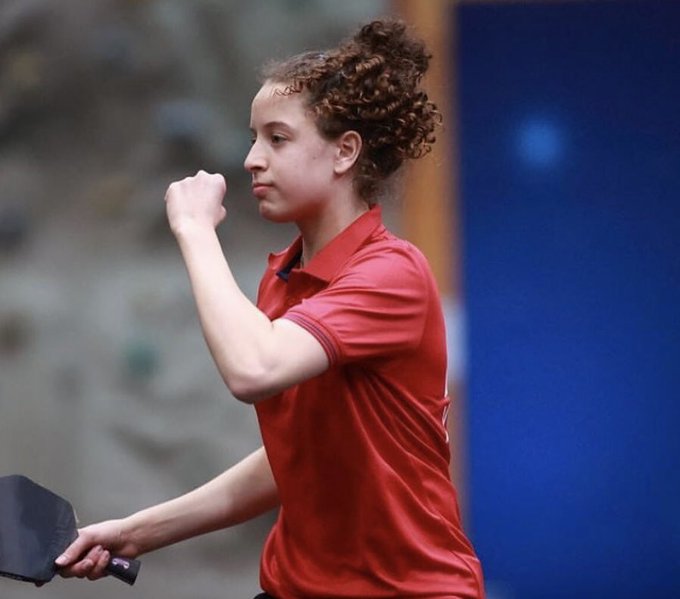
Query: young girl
344	355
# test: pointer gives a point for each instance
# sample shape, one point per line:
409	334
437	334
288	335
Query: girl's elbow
249	389
244	395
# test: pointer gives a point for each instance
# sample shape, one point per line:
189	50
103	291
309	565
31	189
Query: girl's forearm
243	492
238	334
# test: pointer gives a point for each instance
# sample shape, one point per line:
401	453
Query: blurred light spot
540	143
113	48
183	120
141	358
14	227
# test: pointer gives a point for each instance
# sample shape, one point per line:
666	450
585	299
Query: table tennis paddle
36	526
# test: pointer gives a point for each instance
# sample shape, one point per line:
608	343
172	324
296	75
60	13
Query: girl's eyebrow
273	125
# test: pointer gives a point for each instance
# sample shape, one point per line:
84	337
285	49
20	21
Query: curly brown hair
369	84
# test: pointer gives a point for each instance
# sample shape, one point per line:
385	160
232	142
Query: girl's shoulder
387	255
386	242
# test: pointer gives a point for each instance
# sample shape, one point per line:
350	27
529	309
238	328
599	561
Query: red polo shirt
360	453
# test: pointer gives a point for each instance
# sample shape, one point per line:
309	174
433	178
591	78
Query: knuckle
79	572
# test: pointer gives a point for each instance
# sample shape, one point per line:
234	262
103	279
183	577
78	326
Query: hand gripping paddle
36	526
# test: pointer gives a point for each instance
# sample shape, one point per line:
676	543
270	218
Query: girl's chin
268	212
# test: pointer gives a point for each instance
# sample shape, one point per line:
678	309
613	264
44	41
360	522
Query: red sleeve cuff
320	333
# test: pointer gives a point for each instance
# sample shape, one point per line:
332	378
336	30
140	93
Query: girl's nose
255	159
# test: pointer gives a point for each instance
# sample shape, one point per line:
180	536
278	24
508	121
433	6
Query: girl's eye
277	139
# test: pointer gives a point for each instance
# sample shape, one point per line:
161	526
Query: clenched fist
196	200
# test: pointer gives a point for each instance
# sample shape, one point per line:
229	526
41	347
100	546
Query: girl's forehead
273	97
272	89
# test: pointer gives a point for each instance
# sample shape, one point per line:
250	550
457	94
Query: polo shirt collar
334	254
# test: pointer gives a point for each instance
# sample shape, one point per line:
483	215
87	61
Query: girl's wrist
134	534
186	228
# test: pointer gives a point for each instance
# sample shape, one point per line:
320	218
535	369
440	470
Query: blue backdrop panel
570	117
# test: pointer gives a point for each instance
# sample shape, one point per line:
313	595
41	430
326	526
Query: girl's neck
317	232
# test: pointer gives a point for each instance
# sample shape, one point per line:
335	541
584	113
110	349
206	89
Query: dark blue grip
124	568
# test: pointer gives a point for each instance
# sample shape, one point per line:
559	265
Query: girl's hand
89	554
196	200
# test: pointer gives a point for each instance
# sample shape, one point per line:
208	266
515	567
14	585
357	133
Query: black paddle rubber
36	526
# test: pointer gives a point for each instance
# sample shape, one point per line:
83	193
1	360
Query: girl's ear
348	149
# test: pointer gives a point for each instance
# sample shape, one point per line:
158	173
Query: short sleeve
375	307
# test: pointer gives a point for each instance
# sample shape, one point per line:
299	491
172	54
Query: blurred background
549	211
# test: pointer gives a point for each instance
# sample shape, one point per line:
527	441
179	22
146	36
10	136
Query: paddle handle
124	568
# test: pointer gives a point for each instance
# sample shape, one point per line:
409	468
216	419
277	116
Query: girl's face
291	164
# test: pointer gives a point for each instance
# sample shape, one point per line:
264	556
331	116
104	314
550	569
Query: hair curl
369	84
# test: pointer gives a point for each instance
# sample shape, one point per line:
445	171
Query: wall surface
107	392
